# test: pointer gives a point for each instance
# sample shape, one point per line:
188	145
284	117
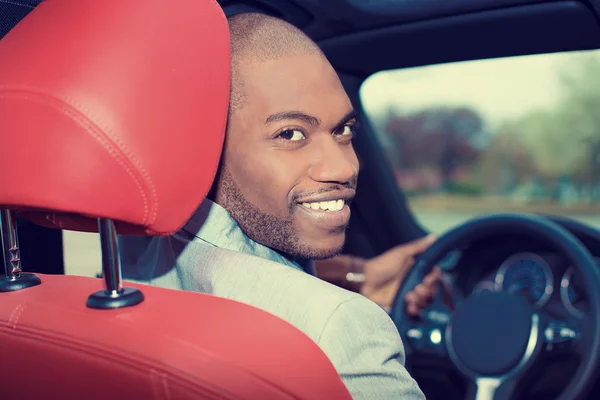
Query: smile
329	211
328	215
330	206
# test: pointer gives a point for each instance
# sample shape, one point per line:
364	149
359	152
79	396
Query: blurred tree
581	116
506	163
554	151
442	137
565	142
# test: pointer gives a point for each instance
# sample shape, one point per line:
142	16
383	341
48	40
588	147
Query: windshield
501	135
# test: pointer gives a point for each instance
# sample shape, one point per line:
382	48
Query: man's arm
366	350
379	278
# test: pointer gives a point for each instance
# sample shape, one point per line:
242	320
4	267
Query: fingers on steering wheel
424	293
412	310
420	295
434	276
436	281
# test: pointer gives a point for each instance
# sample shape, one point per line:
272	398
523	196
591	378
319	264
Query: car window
499	135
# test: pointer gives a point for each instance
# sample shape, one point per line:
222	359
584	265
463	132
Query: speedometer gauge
527	275
573	294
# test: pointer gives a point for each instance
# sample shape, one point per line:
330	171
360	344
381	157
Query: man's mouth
329	211
333	200
331	205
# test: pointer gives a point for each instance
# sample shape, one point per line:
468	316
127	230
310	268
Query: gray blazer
212	255
356	334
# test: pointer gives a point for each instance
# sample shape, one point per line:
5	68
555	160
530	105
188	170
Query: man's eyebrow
297	115
347	118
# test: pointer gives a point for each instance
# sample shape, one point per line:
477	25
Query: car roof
361	37
326	19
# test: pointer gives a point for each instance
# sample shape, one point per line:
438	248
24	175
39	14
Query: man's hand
384	274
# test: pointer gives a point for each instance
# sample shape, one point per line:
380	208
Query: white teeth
332	205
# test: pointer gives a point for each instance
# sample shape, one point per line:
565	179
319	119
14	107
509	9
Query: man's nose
333	162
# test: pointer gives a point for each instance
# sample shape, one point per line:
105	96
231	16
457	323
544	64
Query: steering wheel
495	338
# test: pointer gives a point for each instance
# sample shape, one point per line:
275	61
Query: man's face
290	170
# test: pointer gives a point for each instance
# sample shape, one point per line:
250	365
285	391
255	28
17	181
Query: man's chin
321	250
325	254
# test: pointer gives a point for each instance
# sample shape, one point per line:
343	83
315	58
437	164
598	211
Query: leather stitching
117	150
16	315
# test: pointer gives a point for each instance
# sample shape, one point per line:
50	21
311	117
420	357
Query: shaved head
257	38
288	169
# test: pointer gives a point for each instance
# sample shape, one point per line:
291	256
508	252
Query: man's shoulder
300	298
356	334
304	300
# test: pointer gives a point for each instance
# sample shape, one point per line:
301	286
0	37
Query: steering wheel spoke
558	336
426	334
427	340
492	388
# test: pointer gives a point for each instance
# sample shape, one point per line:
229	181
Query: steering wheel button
435	336
559	334
438	317
414	334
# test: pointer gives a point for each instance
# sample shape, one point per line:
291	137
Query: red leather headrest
113	109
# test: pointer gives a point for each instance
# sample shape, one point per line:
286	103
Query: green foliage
566	141
464	189
550	145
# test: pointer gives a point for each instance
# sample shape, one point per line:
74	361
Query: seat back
173	345
113	116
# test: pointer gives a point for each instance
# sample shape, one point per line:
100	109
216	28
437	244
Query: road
82	250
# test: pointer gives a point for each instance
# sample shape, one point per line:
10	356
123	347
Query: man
281	198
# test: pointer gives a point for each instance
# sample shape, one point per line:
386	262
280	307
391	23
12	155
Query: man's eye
346	130
293	135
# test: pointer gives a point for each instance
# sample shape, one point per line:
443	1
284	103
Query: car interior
523	316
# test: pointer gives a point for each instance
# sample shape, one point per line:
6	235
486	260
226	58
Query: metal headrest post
15	278
114	295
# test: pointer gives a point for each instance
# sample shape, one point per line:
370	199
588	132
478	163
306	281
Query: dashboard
542	276
538	278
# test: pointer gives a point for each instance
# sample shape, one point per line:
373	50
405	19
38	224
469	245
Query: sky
497	88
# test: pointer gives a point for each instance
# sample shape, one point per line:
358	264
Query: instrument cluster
530	275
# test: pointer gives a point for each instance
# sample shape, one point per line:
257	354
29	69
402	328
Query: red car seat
112	116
